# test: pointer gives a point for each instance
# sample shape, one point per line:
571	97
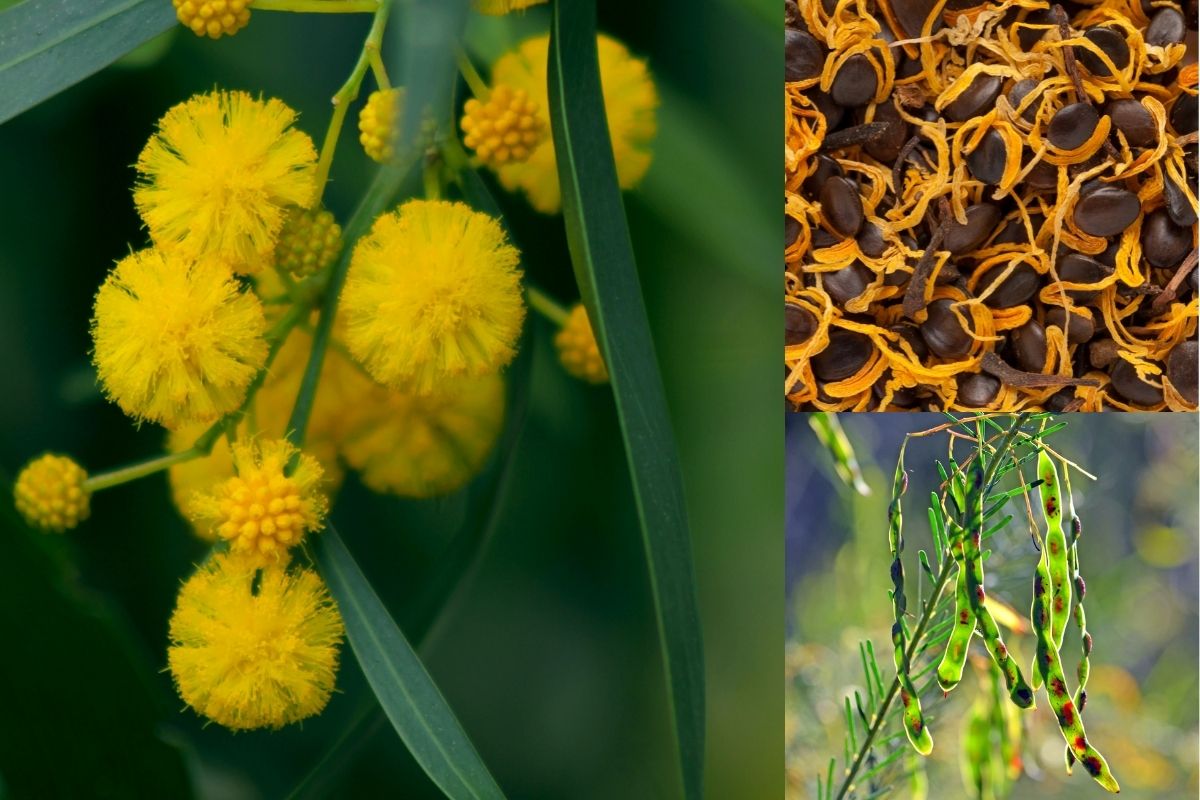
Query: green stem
107	480
433	179
475	82
378	69
317	6
545	305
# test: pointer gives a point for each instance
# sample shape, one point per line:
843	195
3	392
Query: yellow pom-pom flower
309	242
630	102
254	654
434	292
377	123
503	129
176	341
577	348
198	474
213	18
218	176
498	7
423	446
50	494
264	510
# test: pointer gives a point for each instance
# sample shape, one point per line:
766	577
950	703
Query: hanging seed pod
1055	548
1085	638
950	670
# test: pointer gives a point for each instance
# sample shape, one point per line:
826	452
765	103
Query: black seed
1059	401
870	240
798	324
885	148
847	283
1018	93
855	83
976	391
1072	125
1029	346
823	238
841	206
804	57
1164	244
1078	268
982	219
1129	386
1043	176
1112	42
943	332
832	112
826	168
1028	37
1178	207
987	161
1106	211
1181	369
791	231
1166	27
1018	287
1132	119
846	354
1102	353
976	100
910	15
1080	327
1183	114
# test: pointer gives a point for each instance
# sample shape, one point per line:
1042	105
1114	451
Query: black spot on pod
1091	764
1023	696
1082	699
1051	507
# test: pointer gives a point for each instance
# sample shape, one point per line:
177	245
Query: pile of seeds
991	204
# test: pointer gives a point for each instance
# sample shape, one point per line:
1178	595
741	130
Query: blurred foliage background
550	656
1138	554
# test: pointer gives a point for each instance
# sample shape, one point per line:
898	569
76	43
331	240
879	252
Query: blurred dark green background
550	657
1138	554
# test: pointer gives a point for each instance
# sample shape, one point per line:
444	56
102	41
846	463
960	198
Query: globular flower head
264	509
218	176
309	242
213	18
254	654
377	123
498	7
434	292
176	341
50	494
425	445
630	102
577	348
504	128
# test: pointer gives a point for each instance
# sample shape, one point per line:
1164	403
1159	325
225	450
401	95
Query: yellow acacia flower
504	128
425	445
213	18
264	510
198	474
499	7
176	341
577	348
630	100
433	293
50	495
217	177
254	654
377	123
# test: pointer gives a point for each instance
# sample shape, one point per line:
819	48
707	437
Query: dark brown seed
823	238
976	391
1112	42
1102	353
1029	346
982	219
1017	288
846	354
1060	399
944	333
976	100
1018	93
1166	27
846	284
1029	36
803	56
832	112
1106	211
791	231
885	148
1164	244
798	324
1129	386
987	161
1081	328
870	240
1183	114
1078	268
1181	369
1072	125
826	168
855	83
912	334
841	206
910	15
1133	120
1043	176
1178	207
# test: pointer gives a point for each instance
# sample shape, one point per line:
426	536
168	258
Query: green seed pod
1069	720
914	721
1055	548
1085	638
975	756
950	670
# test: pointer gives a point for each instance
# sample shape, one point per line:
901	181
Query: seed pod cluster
990	206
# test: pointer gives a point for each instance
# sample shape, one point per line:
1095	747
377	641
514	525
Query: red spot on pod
1080	744
1051	507
1068	713
1092	765
1076	527
917	725
1001	651
1080	586
1057	687
1053	545
1058	604
979	593
964	617
904	698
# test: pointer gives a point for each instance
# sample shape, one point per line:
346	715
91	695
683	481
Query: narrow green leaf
408	695
49	45
598	237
